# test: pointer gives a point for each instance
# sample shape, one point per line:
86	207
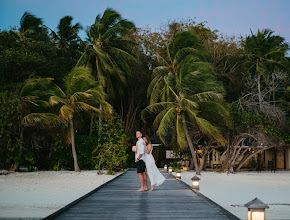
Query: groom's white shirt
140	149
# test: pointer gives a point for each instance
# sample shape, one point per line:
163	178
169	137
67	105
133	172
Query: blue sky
231	17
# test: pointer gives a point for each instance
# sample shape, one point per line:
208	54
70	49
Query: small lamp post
256	209
195	182
178	174
169	170
165	167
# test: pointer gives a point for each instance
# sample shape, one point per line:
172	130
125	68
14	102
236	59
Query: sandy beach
38	194
234	190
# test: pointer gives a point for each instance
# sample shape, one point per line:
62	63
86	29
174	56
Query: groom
139	158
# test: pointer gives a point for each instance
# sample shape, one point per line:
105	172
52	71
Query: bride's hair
148	139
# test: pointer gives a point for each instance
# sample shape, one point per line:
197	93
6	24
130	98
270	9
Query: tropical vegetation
72	103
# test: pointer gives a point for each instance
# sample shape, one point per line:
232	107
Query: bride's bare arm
147	148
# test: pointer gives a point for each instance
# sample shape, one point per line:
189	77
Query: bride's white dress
156	178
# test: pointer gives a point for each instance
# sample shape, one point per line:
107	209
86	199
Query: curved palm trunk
76	166
192	150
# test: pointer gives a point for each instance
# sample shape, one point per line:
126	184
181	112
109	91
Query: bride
156	178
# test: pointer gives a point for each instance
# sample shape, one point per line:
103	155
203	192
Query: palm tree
109	54
67	34
33	27
32	98
264	52
82	94
182	45
193	95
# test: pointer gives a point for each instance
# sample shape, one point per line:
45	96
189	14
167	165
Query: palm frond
159	118
189	103
206	127
77	96
157	107
206	96
82	106
66	112
217	112
167	120
41	120
54	100
79	80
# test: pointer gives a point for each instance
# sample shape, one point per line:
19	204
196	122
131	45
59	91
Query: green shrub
175	166
85	145
111	150
111	172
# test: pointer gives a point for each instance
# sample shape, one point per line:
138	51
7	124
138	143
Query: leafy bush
9	130
110	152
61	158
110	172
175	166
85	146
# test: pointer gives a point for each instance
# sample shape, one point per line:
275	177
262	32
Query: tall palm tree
82	94
193	95
109	54
67	34
264	52
182	45
33	27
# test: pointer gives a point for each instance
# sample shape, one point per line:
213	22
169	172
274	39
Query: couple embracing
145	159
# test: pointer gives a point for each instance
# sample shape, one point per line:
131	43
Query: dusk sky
228	16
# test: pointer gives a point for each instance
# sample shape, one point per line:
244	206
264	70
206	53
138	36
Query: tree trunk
76	166
248	156
201	167
191	167
16	166
259	90
192	150
91	124
100	122
273	87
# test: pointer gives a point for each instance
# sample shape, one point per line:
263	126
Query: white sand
38	194
234	190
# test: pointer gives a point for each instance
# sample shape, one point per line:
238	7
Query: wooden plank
119	200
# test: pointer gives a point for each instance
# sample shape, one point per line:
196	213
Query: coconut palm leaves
109	53
83	94
183	94
33	27
183	45
264	50
67	34
194	106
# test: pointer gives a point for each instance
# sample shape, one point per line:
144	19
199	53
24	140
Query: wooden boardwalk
119	200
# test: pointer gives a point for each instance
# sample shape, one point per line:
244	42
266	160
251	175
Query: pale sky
230	17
